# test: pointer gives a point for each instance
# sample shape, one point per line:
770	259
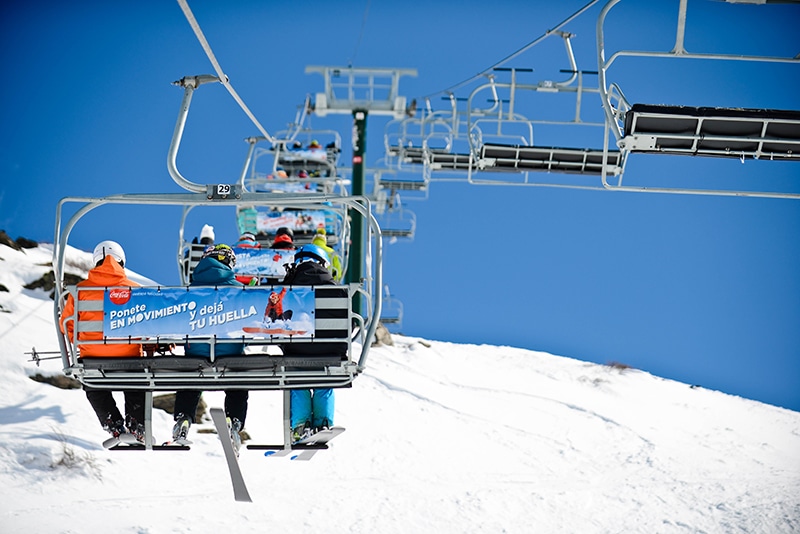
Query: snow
440	437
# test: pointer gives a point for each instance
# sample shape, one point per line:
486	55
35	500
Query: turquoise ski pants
312	406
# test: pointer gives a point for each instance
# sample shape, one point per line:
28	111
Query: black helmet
222	253
285	230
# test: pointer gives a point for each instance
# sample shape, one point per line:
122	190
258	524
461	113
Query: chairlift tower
360	91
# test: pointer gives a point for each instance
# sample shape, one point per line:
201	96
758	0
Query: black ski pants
105	407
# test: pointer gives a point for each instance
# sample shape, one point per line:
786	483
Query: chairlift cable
360	35
223	78
528	46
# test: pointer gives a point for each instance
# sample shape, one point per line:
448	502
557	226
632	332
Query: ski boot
135	429
115	428
118	433
181	429
301	432
235	426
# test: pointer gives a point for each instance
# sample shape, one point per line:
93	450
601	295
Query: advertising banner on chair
300	221
262	261
225	311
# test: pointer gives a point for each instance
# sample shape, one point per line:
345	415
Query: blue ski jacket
210	272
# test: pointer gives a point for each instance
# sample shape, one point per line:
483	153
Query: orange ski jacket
109	273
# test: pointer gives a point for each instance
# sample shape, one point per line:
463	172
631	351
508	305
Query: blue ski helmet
312	252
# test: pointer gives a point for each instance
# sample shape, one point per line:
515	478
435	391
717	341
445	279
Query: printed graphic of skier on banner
226	312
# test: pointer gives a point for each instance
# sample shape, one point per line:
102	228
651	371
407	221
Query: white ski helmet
106	248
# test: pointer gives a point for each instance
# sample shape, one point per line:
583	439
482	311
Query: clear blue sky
705	290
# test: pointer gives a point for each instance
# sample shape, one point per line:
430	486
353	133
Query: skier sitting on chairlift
108	271
311	410
284	239
214	269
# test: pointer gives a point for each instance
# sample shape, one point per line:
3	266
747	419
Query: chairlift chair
507	120
740	133
283	168
397	222
257	369
392	312
388	183
492	139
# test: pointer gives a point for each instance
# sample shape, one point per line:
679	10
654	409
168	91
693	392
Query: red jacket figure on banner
274	310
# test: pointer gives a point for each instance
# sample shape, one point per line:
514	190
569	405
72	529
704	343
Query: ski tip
269	453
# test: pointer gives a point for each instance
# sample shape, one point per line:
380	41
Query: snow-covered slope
440	438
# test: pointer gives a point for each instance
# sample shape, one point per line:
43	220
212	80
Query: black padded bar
706	131
442	160
408	154
141	447
388	232
551	159
172	363
438	159
294	447
403	185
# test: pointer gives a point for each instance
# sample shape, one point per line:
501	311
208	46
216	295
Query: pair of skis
307	447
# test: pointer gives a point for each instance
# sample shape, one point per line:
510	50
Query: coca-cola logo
119	296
